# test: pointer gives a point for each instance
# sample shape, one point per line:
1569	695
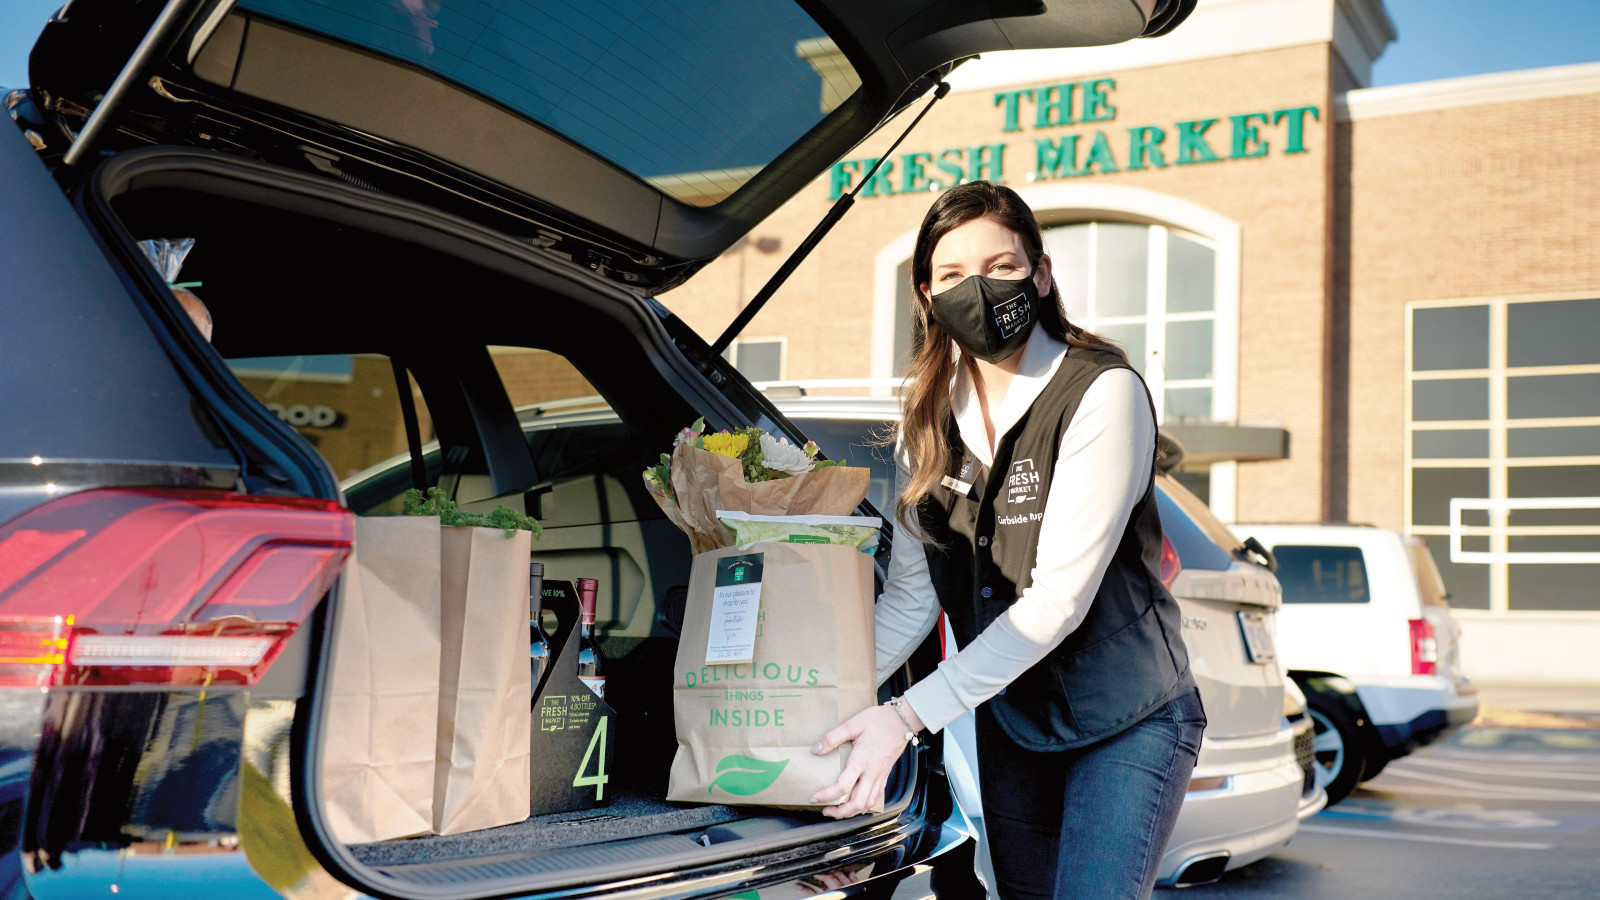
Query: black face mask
989	318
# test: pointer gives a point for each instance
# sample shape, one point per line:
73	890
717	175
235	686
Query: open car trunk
295	265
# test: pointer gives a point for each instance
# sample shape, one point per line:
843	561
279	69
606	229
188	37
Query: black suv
415	188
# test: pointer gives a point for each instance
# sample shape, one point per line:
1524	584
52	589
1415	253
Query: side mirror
1169	453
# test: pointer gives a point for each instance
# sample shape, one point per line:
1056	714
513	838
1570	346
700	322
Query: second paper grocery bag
482	779
745	729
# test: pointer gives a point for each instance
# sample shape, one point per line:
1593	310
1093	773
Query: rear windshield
693	96
1429	582
1200	540
1313	574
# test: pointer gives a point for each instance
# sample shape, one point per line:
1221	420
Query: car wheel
1336	746
1372	767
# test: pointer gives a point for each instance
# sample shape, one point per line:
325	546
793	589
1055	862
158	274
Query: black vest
1128	656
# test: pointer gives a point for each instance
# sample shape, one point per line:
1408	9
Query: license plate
1257	637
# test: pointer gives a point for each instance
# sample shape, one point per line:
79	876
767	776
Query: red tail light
171	587
1170	564
1424	648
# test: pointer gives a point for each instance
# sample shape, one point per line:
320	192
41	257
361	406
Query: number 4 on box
599	778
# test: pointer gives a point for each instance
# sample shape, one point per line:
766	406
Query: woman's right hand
879	737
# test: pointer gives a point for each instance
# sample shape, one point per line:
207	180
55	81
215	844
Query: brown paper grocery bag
745	730
377	756
485	686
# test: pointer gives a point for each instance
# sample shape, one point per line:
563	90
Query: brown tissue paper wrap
706	482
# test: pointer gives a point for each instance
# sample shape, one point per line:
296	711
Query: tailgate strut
835	213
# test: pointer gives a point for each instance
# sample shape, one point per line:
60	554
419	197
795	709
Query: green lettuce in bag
860	532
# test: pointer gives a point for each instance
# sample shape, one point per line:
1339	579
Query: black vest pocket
1103	702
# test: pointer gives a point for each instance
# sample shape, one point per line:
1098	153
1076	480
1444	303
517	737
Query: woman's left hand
879	738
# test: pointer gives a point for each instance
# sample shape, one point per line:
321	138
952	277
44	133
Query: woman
1027	513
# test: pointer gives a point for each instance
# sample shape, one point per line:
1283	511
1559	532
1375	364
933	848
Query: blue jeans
1091	822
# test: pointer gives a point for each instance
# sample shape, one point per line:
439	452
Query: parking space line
1385	792
1495	790
1500	771
1425	838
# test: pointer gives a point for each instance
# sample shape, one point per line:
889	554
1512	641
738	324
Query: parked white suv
1366	631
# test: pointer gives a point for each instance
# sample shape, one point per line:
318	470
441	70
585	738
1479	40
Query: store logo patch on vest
1012	316
1022	484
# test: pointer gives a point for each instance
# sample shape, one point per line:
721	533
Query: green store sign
1250	135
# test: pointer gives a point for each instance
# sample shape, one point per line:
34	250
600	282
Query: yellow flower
727	444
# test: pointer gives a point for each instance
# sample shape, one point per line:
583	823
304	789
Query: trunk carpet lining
630	815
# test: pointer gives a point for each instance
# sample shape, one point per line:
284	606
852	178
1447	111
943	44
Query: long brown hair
926	393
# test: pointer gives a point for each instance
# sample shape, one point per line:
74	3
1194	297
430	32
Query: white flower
779	455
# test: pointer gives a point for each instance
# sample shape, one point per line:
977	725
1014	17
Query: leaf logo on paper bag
746	775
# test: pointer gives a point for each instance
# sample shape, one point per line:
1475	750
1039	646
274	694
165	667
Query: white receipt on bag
735	609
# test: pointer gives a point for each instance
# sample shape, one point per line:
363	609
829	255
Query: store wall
1489	200
1279	201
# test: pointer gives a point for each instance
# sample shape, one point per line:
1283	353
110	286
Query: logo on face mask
1011	316
988	318
1022	484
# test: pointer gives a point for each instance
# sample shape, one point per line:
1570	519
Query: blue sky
1438	38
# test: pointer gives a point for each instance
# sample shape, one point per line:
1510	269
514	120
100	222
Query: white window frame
783	351
1499	462
1065	202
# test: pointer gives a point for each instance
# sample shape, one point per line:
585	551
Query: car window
1320	574
346	405
1429	581
1190	527
571	429
692	96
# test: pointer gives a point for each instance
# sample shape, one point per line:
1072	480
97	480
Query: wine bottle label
596	683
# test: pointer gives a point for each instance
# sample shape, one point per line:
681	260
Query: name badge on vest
964	488
963	482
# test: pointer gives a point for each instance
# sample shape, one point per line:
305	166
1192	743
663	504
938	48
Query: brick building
1352	303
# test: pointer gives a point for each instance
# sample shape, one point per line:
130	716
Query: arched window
1151	289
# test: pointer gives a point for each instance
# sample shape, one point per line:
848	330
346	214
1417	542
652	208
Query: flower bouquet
747	470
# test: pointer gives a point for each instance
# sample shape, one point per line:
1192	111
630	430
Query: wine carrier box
573	738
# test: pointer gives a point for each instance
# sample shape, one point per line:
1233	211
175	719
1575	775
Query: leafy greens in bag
860	532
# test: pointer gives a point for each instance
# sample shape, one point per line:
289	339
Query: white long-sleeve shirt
1104	467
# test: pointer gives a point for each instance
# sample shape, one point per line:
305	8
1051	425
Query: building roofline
1358	30
1469	90
1371	24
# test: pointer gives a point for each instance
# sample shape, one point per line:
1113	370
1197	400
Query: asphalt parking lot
1506	808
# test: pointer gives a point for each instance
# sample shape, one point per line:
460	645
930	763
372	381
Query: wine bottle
591	662
538	642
